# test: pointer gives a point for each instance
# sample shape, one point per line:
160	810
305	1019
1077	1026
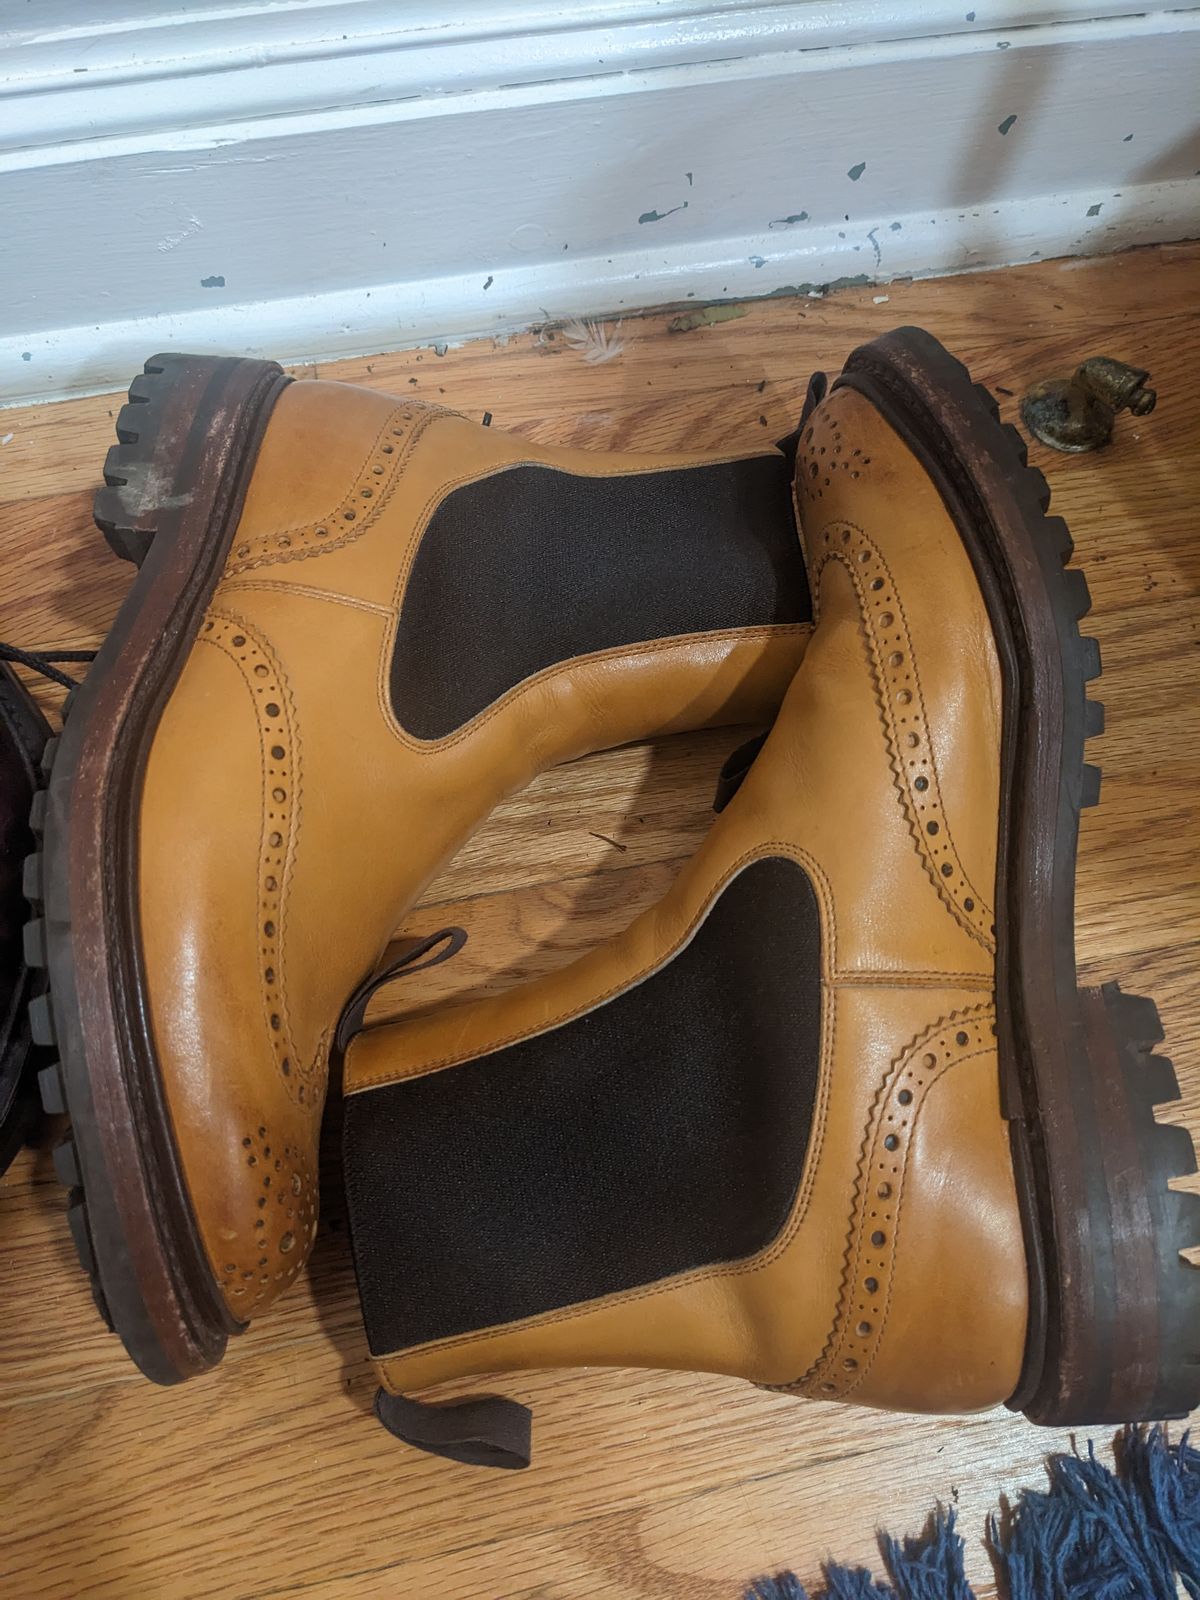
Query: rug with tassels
1129	1532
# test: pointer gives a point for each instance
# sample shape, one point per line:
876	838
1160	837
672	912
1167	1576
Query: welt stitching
355	1084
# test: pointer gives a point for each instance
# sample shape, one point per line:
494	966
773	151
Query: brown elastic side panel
663	1131
531	566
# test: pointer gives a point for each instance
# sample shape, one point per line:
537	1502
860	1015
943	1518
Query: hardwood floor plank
269	1478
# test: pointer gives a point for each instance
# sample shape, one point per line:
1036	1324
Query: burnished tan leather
287	821
899	1279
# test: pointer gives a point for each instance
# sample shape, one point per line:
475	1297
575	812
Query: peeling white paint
508	188
154	69
148	488
169	241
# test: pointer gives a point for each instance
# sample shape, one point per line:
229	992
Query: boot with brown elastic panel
358	623
834	1116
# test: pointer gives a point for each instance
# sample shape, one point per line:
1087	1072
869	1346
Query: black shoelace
353	1018
43	662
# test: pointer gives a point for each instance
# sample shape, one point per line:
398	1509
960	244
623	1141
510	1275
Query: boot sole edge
174	483
1114	1308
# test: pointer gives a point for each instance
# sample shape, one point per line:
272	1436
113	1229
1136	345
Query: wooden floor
269	1477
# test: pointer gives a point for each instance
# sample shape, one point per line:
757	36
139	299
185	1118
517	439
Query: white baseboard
370	185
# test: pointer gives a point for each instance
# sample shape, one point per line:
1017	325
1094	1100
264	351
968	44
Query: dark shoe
24	732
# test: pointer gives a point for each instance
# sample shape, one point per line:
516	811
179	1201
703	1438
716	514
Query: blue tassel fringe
1132	1533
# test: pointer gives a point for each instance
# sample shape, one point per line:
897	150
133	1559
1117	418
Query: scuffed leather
287	822
932	1317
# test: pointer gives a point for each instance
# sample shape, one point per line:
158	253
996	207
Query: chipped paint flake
789	222
818	291
1005	126
856	171
859	280
1094	211
661	216
215	282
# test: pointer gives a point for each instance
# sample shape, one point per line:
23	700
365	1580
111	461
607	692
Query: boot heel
1122	1340
148	477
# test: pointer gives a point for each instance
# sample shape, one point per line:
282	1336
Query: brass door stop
1077	413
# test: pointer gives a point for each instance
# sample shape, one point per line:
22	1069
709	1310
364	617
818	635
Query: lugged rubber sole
174	484
1114	1327
20	1112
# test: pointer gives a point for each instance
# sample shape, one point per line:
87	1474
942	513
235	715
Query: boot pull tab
491	1432
479	1433
818	388
355	1010
733	774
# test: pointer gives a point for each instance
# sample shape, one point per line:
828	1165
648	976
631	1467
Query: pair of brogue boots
834	1116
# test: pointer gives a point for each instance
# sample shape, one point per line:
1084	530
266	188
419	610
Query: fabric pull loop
479	1433
355	1010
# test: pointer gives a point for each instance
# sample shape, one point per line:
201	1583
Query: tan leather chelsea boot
833	1117
358	622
